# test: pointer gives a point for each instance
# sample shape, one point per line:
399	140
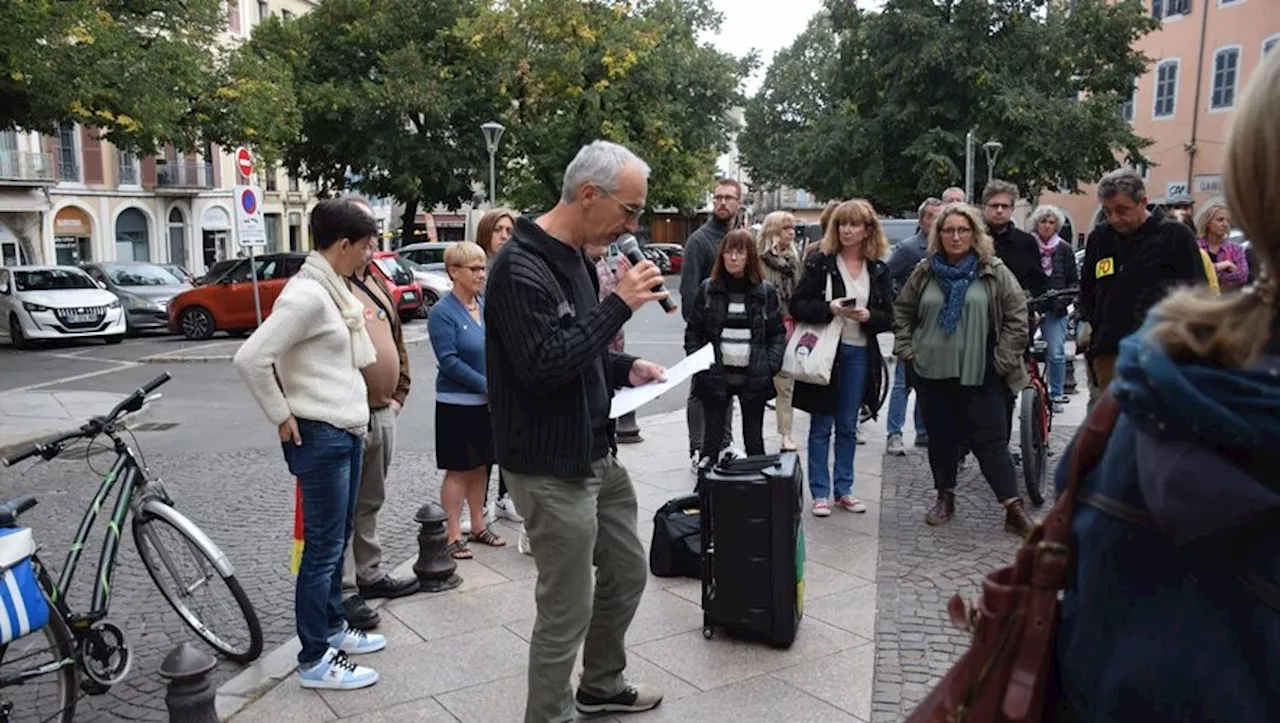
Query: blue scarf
1195	401
954	282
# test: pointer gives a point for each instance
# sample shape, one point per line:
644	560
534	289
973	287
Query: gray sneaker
895	446
633	699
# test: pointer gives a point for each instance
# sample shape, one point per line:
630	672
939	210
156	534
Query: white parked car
56	302
434	284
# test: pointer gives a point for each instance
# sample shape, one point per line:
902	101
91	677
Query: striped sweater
547	355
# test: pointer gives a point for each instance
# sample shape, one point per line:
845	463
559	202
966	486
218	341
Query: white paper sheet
629	399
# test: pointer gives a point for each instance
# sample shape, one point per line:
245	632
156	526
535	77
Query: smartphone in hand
851	301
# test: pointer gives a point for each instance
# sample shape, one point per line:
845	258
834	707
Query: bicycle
87	642
1036	407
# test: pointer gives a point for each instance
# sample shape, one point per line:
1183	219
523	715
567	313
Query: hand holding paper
626	401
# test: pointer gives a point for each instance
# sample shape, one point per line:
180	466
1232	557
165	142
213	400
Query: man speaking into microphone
551	376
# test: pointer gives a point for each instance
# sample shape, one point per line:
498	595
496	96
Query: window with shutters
128	164
1166	95
68	159
1125	111
1269	43
1226	69
1161	9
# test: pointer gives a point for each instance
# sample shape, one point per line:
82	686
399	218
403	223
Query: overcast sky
767	26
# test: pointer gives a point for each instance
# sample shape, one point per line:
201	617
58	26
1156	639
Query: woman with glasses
464	436
848	263
961	321
737	312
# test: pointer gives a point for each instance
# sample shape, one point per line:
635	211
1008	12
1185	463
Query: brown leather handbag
1005	674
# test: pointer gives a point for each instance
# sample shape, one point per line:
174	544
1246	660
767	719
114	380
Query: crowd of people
529	353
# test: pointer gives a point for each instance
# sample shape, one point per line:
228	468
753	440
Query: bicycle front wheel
1035	448
182	563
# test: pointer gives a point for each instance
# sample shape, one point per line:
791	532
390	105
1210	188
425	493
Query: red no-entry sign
244	162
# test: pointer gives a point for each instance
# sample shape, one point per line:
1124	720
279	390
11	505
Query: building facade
1203	56
73	198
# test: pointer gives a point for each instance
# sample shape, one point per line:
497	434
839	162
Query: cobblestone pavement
921	567
244	501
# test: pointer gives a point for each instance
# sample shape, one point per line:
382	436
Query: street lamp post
992	149
492	132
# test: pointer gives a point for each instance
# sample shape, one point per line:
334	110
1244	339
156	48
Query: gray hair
997	187
928	202
599	164
1124	180
1047	211
955	189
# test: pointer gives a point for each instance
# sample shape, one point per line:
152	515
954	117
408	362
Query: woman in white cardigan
303	366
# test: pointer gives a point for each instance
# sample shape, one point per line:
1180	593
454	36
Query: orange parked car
405	292
225	303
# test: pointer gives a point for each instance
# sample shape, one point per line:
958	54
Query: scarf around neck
318	269
1046	252
954	282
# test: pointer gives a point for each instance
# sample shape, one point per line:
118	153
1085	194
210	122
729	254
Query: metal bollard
628	430
435	568
190	698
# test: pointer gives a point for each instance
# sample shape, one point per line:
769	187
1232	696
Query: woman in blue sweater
464	436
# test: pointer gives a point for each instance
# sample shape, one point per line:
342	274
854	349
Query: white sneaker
895	446
336	672
695	461
464	524
357	642
522	543
490	512
506	509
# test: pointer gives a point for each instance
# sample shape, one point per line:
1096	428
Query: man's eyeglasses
724	199
633	212
1000	206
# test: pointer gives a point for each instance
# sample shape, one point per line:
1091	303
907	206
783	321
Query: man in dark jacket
699	258
1017	248
551	375
1130	263
901	263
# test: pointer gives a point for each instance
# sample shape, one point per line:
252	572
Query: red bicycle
1035	405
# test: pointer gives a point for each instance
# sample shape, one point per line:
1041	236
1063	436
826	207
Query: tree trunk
407	222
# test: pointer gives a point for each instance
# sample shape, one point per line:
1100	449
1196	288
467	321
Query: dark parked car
144	290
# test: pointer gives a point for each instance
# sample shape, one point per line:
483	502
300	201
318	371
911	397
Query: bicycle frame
124	471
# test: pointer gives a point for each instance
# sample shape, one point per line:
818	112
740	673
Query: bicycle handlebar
1052	295
50	449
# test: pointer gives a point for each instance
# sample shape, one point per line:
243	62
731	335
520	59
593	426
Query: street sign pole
257	300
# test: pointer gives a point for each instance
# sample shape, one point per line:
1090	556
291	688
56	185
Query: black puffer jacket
811	306
706	321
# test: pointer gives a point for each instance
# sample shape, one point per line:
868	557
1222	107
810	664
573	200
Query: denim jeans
1054	330
327	465
898	403
852	385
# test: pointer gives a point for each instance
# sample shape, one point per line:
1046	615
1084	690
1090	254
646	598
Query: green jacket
1008	317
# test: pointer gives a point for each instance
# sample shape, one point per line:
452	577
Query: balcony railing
26	167
184	174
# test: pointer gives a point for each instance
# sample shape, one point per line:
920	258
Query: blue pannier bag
23	608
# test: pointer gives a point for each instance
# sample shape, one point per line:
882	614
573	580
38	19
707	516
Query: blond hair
1233	329
982	243
1206	212
463	253
772	227
858	210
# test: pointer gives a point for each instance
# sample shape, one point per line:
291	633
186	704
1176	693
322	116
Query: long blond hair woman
850	261
1176	531
781	262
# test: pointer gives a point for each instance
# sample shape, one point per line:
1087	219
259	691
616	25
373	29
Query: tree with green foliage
142	73
389	102
632	72
881	107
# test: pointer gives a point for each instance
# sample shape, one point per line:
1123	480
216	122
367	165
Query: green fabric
962	355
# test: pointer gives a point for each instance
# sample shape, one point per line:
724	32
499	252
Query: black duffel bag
676	550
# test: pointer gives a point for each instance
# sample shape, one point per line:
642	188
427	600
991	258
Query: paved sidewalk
461	655
30	416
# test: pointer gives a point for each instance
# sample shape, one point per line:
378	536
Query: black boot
359	615
1016	519
943	509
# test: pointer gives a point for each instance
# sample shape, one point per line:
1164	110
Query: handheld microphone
630	248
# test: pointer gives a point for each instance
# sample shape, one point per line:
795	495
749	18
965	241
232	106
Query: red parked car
405	292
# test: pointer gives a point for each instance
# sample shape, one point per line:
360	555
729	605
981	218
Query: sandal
487	537
458	550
